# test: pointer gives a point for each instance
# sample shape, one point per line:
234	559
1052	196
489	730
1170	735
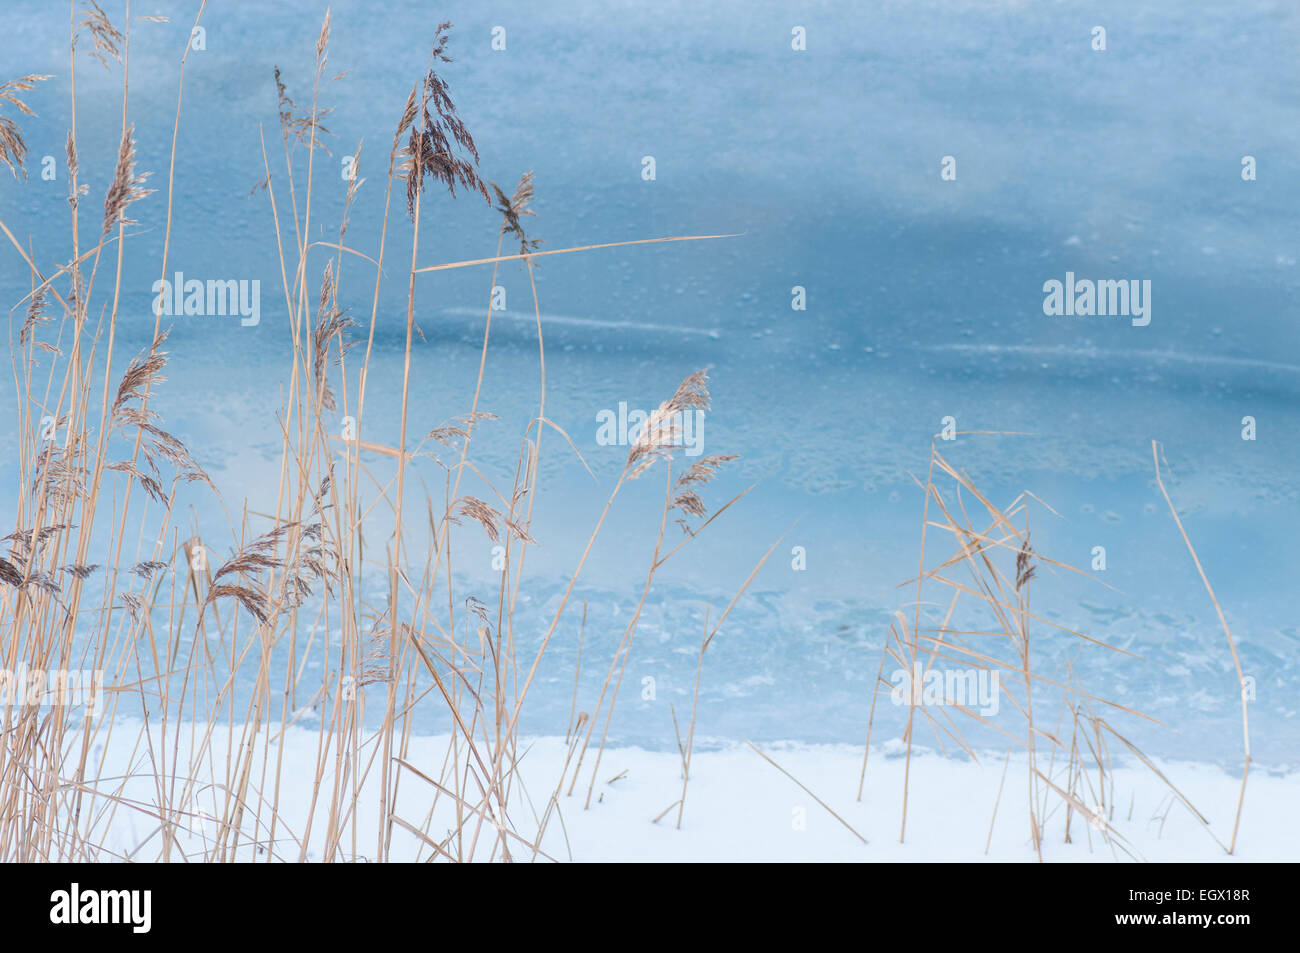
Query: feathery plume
126	187
441	147
105	38
662	431
1024	571
514	208
13	149
330	323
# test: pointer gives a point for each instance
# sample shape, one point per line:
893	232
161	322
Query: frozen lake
924	300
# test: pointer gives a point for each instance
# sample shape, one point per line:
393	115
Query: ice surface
924	301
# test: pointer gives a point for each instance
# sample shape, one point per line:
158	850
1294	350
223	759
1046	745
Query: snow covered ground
740	807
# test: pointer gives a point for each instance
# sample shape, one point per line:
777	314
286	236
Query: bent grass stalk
1232	646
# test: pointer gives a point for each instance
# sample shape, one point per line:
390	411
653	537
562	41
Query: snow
741	808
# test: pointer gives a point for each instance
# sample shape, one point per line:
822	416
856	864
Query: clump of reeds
209	635
984	578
